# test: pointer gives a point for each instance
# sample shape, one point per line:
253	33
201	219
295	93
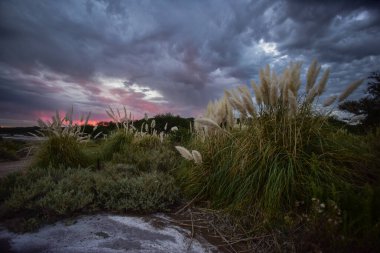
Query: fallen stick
224	239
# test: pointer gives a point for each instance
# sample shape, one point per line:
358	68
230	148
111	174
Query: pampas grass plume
197	156
247	100
153	124
257	91
273	95
265	84
292	102
353	86
249	105
322	83
329	101
184	153
311	95
207	122
295	81
312	75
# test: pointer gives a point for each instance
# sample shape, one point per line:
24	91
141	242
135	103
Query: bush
45	194
280	152
61	151
117	143
145	193
146	153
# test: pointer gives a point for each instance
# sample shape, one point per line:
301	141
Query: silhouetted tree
369	106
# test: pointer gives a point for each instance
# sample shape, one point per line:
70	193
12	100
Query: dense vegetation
11	150
286	164
281	166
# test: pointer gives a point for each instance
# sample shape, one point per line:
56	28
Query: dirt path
9	167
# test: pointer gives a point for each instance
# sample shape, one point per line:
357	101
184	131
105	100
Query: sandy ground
13	166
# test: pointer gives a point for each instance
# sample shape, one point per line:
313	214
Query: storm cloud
169	56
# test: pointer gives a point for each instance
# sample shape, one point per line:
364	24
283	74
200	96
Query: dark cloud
54	54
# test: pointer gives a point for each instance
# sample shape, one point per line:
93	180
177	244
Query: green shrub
73	193
146	153
45	194
145	193
116	143
61	151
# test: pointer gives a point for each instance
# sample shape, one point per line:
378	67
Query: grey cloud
174	47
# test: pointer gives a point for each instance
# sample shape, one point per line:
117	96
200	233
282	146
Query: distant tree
369	106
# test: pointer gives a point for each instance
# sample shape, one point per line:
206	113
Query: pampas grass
257	92
197	156
282	153
184	153
312	75
323	82
194	155
64	127
351	87
330	100
292	103
247	101
124	121
63	144
207	122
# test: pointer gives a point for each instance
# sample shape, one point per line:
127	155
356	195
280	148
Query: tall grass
281	150
59	151
64	144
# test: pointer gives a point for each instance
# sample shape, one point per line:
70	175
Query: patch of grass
45	194
116	143
63	151
148	154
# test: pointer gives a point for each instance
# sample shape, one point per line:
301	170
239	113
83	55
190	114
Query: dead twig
246	239
192	230
224	238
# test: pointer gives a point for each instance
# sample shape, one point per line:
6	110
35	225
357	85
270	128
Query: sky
169	56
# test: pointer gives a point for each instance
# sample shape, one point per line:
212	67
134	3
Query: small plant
64	140
146	148
64	127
